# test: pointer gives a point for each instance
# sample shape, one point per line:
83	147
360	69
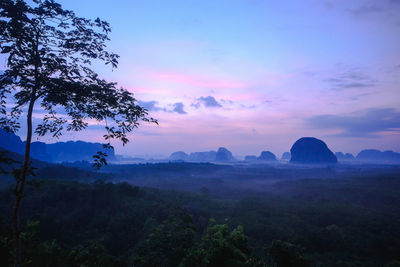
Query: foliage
91	254
38	253
50	51
219	247
286	254
168	243
5	162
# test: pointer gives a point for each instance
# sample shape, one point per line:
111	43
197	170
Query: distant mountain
223	154
203	156
267	156
349	156
286	156
341	156
179	155
56	152
377	155
39	151
11	142
310	150
18	158
123	159
76	150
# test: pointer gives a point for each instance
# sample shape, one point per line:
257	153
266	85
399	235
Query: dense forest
336	218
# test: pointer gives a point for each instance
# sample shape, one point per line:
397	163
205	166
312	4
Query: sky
254	75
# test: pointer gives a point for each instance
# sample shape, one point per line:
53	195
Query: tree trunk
19	187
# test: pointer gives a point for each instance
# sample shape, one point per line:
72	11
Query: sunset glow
255	75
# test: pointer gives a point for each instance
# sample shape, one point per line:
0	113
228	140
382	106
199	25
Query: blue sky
255	75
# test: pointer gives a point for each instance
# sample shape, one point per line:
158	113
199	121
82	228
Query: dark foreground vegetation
347	217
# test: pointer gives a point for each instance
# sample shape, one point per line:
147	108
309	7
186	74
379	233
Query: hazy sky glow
255	75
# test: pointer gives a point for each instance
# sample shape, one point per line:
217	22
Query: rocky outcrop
286	156
310	150
57	152
179	155
39	151
76	151
378	156
223	154
203	156
267	156
344	157
11	142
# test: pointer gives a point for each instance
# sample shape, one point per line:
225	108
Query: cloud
154	106
359	96
366	123
207	101
383	10
350	79
230	102
227	104
179	108
149	105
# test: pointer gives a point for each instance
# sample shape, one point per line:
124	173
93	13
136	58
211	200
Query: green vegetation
104	224
49	53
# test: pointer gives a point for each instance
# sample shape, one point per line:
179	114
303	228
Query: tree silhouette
220	246
49	52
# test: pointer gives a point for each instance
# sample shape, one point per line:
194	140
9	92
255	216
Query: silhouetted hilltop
56	152
341	156
349	156
76	150
39	151
223	154
376	155
179	155
286	156
11	142
19	159
309	150
267	156
203	156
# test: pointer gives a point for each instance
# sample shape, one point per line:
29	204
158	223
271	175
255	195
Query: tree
220	246
168	243
5	161
49	52
285	254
